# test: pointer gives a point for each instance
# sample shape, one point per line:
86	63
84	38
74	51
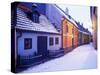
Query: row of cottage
44	30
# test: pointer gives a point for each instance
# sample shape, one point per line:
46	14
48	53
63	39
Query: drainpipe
62	19
17	37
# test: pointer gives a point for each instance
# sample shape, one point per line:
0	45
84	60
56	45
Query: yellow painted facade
70	34
67	33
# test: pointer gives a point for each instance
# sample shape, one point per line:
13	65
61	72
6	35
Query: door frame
43	52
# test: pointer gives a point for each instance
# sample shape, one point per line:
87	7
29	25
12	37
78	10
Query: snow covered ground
82	57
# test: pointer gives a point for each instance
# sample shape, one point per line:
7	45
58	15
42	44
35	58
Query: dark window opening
69	16
35	16
29	15
28	43
51	41
56	40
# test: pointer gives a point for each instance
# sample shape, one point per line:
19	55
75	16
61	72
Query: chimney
66	11
82	24
35	14
34	6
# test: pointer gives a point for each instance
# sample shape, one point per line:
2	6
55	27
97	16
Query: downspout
62	19
17	37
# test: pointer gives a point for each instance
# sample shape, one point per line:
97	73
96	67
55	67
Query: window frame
51	41
57	40
29	40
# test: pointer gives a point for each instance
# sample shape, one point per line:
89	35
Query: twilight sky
79	13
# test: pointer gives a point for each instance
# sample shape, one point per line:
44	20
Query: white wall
54	46
33	35
26	52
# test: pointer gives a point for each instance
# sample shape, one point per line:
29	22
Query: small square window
28	43
56	40
51	41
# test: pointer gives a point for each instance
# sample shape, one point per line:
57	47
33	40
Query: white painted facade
24	23
23	52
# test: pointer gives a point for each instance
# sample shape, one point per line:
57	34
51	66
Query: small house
34	35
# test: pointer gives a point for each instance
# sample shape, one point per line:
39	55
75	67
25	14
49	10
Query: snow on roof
65	15
24	23
82	29
70	19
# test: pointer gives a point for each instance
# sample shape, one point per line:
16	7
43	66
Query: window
73	30
66	28
69	16
36	16
28	43
51	41
56	40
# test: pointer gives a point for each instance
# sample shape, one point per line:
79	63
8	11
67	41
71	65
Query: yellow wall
67	34
70	36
